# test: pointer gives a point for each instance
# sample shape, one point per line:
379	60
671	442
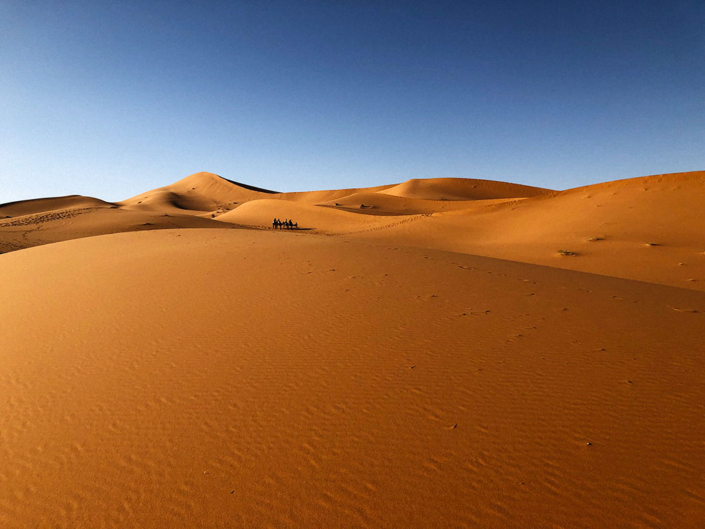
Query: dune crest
45	205
462	189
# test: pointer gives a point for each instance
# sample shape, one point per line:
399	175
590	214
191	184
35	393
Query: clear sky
112	98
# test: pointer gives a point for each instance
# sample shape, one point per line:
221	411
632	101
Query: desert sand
435	353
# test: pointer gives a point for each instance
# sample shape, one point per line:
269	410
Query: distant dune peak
38	205
201	191
462	189
205	178
692	177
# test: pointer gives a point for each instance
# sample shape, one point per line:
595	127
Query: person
274	224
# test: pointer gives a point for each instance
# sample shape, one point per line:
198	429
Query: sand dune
416	355
242	378
649	229
320	197
45	205
75	222
383	204
461	189
198	192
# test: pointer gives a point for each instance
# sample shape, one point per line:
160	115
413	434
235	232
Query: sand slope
46	205
198	192
320	197
45	221
239	378
461	189
650	229
383	204
647	228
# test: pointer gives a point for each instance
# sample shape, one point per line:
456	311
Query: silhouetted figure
286	223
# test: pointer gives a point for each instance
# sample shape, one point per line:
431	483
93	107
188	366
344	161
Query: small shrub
565	252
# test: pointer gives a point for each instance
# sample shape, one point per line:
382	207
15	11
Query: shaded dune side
462	189
248	187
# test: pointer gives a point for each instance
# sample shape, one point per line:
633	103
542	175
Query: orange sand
368	371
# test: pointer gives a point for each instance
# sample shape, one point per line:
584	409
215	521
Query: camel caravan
286	224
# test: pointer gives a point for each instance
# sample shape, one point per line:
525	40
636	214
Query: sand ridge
462	189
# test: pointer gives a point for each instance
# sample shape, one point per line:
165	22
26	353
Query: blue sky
112	98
